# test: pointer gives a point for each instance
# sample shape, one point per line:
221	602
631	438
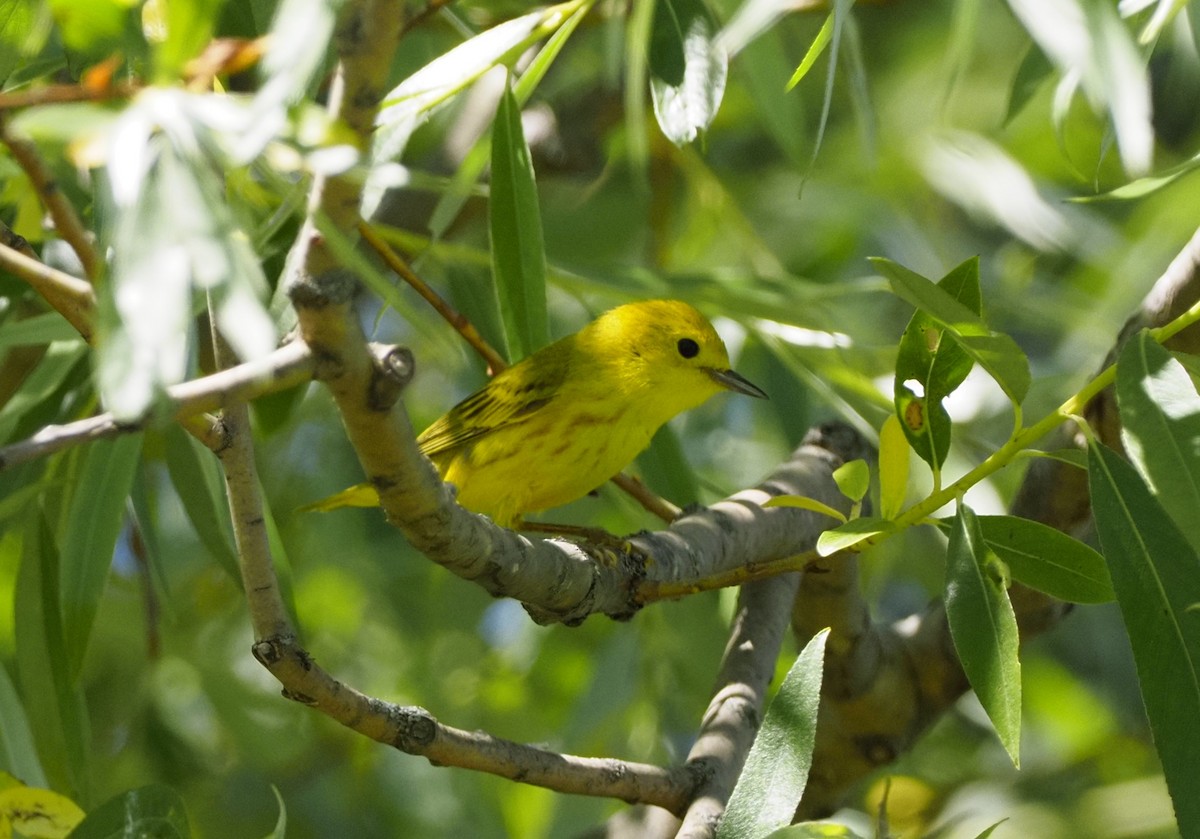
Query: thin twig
66	220
287	366
451	315
59	94
71	296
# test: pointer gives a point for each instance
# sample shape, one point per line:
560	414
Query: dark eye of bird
688	348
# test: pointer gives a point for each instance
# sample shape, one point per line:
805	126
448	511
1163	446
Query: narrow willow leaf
1046	559
280	829
1160	427
93	524
814	52
17	751
198	482
1156	574
984	627
893	467
518	252
688	68
156	810
850	534
666	470
39	329
55	707
1034	70
1141	187
803	502
776	771
853	478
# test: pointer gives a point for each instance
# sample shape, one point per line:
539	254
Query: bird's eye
688	348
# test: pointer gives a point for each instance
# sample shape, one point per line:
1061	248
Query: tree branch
71	297
289	365
66	220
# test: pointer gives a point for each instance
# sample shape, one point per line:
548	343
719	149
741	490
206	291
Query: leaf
803	502
984	627
150	812
853	478
893	467
850	534
518	252
36	812
776	771
998	354
198	482
1160	427
280	829
93	524
814	52
929	368
666	470
1046	559
39	329
57	714
17	751
1156	575
688	69
1141	187
1034	70
188	27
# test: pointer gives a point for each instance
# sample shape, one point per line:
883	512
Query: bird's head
667	352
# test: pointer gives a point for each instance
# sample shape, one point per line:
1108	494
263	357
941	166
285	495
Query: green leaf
803	502
280	829
199	483
1046	559
666	470
93	524
814	52
1141	187
150	812
39	329
189	27
518	252
776	771
850	534
984	627
61	358
1156	575
893	467
930	368
688	69
998	354
18	754
1160	427
1034	70
54	705
853	478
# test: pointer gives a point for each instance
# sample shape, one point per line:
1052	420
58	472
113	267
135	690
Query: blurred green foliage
945	133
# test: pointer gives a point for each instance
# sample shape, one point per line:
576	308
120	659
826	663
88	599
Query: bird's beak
735	382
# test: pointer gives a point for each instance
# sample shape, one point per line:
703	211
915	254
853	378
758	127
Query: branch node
329	288
416	729
394	369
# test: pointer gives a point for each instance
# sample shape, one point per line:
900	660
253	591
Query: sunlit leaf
1144	186
518	252
984	627
1156	575
850	534
776	769
803	502
814	830
687	69
814	52
36	812
853	478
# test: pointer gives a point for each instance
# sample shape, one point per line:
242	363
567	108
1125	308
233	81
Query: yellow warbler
563	421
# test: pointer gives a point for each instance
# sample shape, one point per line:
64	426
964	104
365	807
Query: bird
561	422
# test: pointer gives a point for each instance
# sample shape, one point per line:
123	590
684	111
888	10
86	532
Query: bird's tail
362	495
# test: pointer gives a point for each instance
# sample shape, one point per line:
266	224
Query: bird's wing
510	397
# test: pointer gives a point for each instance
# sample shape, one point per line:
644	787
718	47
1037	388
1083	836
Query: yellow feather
567	418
